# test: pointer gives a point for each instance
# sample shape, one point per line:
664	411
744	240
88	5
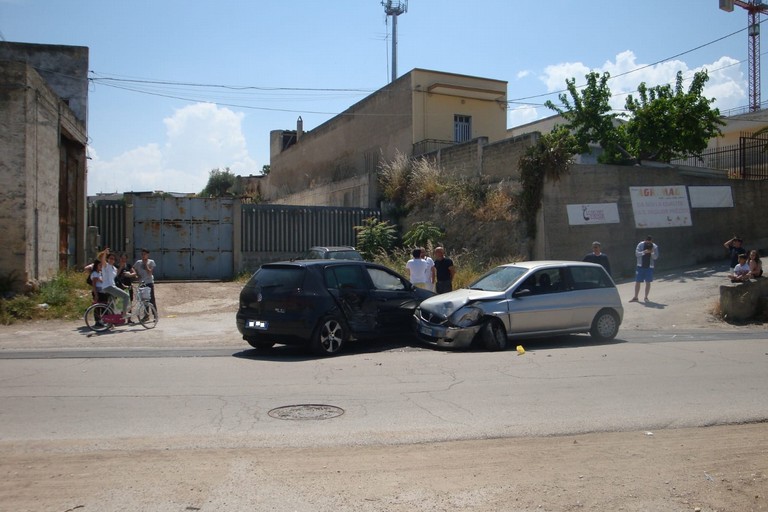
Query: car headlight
466	316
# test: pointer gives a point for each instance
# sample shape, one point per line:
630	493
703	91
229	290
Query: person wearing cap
647	253
598	257
735	247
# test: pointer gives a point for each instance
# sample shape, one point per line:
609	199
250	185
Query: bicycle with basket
103	316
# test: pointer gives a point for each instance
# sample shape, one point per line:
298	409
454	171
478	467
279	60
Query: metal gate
188	237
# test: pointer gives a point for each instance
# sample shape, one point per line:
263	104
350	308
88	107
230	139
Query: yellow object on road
520	350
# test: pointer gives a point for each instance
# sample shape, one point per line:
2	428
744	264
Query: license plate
257	324
429	331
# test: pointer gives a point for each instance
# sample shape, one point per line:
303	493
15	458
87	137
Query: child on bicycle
109	274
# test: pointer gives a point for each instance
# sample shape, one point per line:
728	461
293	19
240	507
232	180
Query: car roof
549	263
332	248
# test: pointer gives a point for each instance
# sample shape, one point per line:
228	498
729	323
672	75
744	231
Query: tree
667	123
422	234
374	236
664	123
220	183
588	113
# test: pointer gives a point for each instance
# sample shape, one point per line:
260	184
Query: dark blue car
325	303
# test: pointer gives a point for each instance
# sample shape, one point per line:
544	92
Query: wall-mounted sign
603	213
660	207
711	197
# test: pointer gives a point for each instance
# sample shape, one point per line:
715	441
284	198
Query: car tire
605	326
260	344
494	335
329	337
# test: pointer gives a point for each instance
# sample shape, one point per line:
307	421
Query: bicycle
103	316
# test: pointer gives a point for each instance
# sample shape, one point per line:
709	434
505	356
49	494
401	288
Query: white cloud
523	74
726	84
199	138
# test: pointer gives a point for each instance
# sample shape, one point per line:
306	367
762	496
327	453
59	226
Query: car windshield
498	279
344	255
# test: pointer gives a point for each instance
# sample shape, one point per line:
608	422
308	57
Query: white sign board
711	197
660	207
604	213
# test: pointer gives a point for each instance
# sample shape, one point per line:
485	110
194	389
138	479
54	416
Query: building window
462	128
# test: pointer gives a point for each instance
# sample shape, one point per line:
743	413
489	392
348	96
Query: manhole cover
306	412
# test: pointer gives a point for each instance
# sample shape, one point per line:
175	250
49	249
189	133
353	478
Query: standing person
125	275
734	246
145	269
443	272
109	274
647	253
418	270
598	257
430	270
97	282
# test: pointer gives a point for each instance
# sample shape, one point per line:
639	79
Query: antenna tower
754	9
394	8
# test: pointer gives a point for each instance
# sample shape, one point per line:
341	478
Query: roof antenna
394	8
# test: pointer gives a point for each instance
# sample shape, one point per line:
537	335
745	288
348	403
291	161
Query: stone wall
679	246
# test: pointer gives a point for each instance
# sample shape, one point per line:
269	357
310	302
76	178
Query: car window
344	255
383	280
547	281
498	279
585	278
277	277
345	276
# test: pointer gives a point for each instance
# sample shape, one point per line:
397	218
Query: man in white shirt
145	269
419	270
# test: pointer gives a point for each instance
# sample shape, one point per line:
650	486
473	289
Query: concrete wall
63	68
42	167
359	191
678	246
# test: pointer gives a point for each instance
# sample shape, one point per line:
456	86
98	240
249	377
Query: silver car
523	300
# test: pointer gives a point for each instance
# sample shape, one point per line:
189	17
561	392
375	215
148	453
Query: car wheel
494	335
605	326
260	344
329	337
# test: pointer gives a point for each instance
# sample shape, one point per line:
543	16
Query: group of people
110	277
436	275
744	265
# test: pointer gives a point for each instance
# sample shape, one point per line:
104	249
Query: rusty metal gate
188	237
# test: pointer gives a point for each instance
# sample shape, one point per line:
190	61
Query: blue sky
284	59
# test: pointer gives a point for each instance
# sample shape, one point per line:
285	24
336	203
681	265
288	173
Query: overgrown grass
66	296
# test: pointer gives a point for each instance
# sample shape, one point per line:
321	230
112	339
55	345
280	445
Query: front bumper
444	336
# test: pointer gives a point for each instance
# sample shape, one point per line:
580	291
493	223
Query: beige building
419	112
42	159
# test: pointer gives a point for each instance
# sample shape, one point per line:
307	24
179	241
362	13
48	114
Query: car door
395	300
537	304
350	286
592	291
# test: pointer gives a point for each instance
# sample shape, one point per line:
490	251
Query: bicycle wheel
147	315
93	317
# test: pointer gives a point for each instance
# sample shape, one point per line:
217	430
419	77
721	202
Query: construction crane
754	9
394	8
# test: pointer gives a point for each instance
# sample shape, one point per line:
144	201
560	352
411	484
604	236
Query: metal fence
747	160
286	228
109	217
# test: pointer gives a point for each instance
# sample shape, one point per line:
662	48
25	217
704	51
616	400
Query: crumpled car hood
446	304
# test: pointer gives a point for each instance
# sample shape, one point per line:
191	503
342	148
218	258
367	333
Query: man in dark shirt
734	246
598	257
444	271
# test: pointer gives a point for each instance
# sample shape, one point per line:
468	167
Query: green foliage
588	113
65	296
265	169
422	234
664	123
549	158
667	123
220	183
375	236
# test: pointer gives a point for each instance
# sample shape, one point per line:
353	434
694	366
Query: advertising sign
603	213
660	207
